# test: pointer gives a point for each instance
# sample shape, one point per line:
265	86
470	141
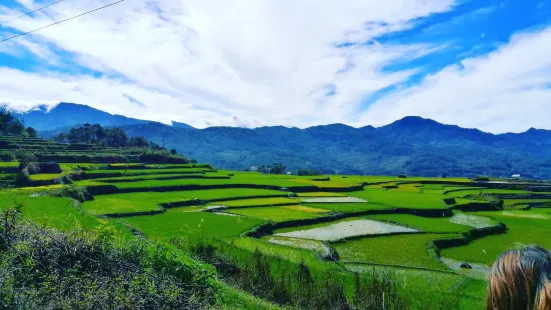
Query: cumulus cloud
202	61
272	62
506	90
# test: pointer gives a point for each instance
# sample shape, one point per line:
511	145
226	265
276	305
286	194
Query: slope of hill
412	145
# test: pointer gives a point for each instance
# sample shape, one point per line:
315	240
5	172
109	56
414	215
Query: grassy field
402	199
406	253
276	214
47	176
349	207
416	283
147	201
201	182
60	213
401	250
255	202
525	202
177	224
478	191
520	230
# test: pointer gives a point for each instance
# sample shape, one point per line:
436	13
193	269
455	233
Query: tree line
279	168
9	124
105	137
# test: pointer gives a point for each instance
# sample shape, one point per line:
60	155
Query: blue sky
475	63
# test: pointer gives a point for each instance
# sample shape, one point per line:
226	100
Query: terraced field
364	224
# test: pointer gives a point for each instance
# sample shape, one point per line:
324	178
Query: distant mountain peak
334	125
64	114
412	122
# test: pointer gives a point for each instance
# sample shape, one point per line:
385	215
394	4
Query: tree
24	157
9	123
154	146
173	152
96	134
278	168
61	138
138	142
310	172
31	132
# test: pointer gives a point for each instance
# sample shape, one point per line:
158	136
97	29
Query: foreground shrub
45	269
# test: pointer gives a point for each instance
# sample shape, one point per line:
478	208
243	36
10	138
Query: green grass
417	283
165	183
348	207
147	201
447	188
510	202
8	164
463	193
54	212
520	230
255	202
409	187
46	176
275	214
402	199
291	254
238	178
432	225
433	187
403	250
137	178
75	166
130	172
110	205
180	224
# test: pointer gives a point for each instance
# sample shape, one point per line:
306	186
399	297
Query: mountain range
412	145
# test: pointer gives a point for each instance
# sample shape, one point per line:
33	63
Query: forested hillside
413	145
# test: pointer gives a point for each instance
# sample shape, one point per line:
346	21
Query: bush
7	156
50	167
161	156
24	157
308	172
402	176
482	178
32	168
50	270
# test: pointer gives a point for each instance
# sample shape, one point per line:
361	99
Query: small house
516	176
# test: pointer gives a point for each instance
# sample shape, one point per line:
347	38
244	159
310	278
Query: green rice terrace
316	242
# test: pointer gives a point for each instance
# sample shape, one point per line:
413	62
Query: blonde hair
521	280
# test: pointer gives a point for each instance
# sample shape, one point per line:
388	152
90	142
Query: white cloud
206	61
253	63
506	90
